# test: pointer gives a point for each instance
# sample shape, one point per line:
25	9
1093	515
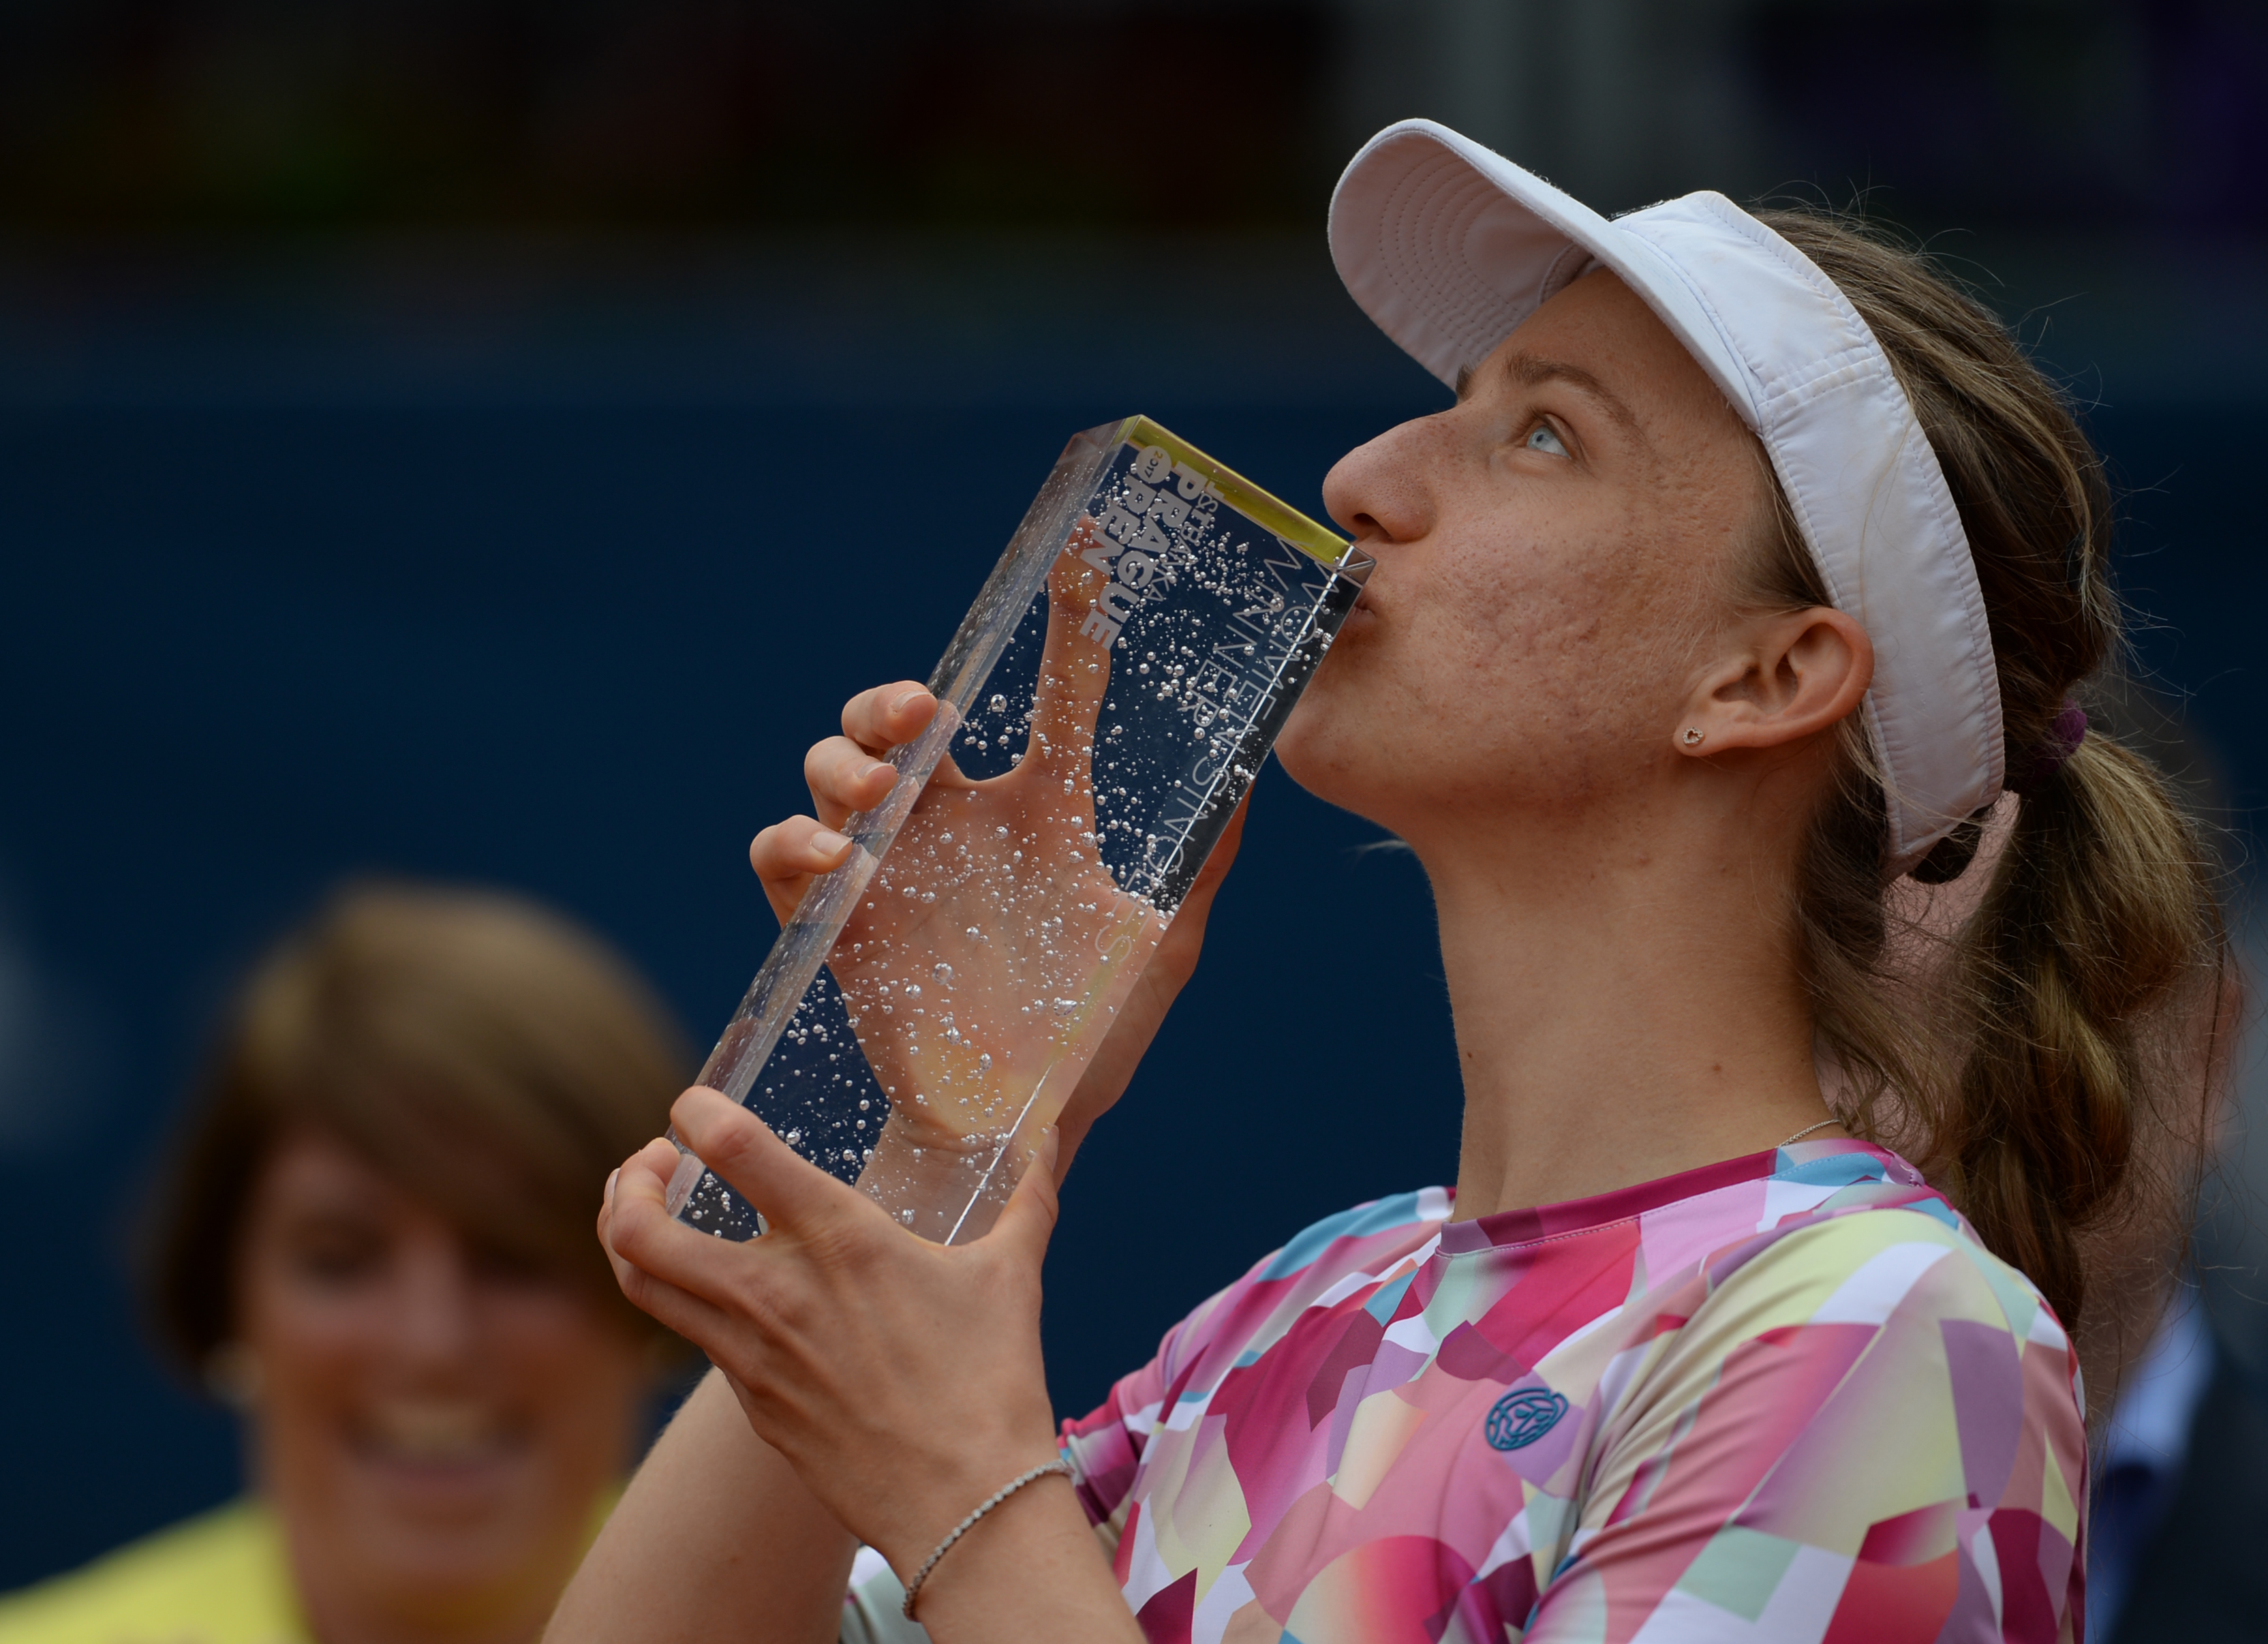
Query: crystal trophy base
1102	711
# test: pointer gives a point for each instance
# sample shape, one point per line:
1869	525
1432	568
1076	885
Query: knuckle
629	1236
761	1305
783	840
833	1248
774	1313
729	1141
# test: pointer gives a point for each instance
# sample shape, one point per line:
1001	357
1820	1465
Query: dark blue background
578	649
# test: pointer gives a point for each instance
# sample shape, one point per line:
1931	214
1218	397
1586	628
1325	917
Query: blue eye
1544	439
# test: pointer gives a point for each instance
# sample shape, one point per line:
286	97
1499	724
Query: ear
1780	680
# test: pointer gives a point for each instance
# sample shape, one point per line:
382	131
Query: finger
798	845
633	1206
643	1239
614	1178
844	777
1028	1221
654	1163
793	1194
789	854
681	1313
652	1159
887	715
1198	906
1074	663
1176	958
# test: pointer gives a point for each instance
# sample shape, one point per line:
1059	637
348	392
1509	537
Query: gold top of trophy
1318	542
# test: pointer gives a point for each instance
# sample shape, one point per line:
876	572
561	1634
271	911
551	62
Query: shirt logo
1519	1418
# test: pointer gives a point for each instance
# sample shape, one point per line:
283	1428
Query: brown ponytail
2042	1044
2069	1113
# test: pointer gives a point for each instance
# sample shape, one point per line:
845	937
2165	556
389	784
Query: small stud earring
1693	736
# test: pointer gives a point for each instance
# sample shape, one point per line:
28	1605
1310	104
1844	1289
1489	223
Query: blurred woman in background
376	1245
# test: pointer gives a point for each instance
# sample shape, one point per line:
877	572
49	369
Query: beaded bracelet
914	1587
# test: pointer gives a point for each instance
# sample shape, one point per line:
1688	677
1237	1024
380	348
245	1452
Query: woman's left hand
902	1380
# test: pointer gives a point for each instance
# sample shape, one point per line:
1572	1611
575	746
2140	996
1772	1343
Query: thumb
1074	668
1028	1221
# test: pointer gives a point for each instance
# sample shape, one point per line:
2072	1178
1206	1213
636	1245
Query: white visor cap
1449	247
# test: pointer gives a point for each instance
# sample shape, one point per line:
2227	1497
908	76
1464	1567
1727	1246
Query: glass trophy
1101	712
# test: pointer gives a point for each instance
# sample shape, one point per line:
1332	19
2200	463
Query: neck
1623	1014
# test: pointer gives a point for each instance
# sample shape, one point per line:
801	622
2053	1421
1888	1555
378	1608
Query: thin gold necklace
1806	1130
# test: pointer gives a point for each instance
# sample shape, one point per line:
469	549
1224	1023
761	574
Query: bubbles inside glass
1102	711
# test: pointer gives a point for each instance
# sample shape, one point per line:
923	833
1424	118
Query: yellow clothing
218	1578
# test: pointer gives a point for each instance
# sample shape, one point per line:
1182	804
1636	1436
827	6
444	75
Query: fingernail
827	842
615	1176
879	764
905	702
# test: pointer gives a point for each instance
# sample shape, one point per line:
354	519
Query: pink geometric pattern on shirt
1786	1398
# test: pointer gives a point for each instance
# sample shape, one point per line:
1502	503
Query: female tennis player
1750	585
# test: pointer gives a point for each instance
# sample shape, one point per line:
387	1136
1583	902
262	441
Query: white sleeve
874	1608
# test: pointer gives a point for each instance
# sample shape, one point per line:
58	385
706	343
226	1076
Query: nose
1382	490
435	1323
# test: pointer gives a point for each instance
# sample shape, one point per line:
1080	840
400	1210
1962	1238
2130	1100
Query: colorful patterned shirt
1786	1398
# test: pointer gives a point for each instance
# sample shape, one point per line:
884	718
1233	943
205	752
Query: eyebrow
1534	371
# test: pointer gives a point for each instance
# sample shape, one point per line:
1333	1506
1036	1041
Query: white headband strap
1449	247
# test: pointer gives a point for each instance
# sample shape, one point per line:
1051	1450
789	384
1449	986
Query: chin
1327	750
444	1528
1299	744
429	1561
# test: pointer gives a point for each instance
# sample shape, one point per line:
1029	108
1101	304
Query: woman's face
1551	552
433	1424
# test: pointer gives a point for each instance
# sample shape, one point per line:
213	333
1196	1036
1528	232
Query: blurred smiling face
433	1422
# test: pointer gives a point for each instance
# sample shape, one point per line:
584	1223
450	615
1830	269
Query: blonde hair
2046	1047
486	1054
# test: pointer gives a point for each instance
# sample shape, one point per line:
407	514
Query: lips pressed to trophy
1102	711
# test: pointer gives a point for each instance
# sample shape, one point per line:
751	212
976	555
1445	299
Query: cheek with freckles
1513	669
